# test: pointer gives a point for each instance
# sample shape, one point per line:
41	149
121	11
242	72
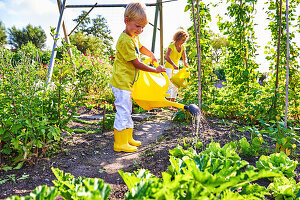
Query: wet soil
91	154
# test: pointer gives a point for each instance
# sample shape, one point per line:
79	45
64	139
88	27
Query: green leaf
44	193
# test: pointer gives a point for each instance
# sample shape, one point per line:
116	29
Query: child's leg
174	89
169	74
123	106
123	120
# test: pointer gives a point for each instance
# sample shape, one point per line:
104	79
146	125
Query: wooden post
103	122
161	33
198	52
287	64
278	54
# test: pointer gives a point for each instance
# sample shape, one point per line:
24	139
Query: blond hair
179	35
136	11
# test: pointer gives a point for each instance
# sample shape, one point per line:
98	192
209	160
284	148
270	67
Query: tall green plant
203	16
240	58
32	116
274	19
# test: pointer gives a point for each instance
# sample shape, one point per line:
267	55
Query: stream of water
198	124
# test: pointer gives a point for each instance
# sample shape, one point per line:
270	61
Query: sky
45	13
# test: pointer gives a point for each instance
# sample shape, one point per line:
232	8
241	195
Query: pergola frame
62	6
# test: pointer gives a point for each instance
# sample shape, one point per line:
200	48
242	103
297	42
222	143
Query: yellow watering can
149	91
179	79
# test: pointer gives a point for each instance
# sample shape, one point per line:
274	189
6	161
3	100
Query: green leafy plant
33	114
109	121
215	173
284	188
41	192
138	110
69	188
278	162
284	138
252	149
87	188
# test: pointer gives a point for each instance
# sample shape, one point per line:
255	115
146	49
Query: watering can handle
148	60
165	75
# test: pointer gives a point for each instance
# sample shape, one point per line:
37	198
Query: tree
2	34
96	27
36	35
218	44
88	44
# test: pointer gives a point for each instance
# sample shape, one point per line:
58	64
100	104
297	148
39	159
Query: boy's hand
160	69
153	59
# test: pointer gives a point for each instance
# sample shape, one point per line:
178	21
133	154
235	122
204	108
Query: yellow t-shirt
124	72
174	56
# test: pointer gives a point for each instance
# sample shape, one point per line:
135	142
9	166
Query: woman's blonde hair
179	35
136	11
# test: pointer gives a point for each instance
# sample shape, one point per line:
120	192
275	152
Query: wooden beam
161	33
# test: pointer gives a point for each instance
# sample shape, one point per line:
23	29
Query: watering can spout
150	104
193	109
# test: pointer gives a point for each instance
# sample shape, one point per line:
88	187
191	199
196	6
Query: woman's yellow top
124	72
175	55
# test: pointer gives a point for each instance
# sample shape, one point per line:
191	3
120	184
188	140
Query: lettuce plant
278	162
285	188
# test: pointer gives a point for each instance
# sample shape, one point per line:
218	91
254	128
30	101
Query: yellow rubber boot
121	142
131	141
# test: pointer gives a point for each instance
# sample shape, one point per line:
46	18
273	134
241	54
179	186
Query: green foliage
219	45
240	64
98	28
33	115
109	121
284	188
216	173
242	98
88	44
278	162
32	54
3	35
96	72
274	26
138	110
252	149
71	188
28	126
207	75
283	137
219	70
39	193
36	35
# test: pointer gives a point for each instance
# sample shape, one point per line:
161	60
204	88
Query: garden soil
91	154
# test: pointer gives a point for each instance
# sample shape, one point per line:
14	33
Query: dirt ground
92	155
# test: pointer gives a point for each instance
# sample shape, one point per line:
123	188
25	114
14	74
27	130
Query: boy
125	69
